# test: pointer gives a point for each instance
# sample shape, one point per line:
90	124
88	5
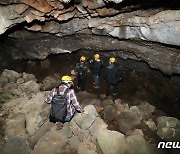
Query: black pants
81	83
108	87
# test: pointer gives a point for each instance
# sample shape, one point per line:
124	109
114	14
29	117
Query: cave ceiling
119	20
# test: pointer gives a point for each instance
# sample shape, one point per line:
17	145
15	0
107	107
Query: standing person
112	76
61	113
81	70
96	67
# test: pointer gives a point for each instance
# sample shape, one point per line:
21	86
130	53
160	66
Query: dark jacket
81	69
96	67
112	74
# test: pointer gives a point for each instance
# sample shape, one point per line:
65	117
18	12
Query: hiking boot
59	125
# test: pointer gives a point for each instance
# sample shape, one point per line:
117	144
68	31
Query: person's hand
85	112
90	60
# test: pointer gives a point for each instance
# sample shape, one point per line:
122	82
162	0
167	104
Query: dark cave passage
140	82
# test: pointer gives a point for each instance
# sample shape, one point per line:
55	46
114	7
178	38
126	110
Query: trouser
82	83
108	87
96	79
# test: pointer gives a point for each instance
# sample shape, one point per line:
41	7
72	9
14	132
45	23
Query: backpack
58	109
81	72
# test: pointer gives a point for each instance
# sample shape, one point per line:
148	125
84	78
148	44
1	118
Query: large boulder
28	77
127	121
15	126
136	144
97	126
9	76
165	121
90	109
110	113
31	108
84	121
50	82
87	147
52	142
74	144
166	132
151	124
30	87
146	110
111	142
107	102
15	145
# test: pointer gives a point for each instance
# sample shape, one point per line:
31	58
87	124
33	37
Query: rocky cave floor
145	106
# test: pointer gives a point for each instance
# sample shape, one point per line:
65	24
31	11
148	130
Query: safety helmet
112	59
66	79
83	58
96	56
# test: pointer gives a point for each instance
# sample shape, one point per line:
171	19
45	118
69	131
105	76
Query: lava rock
111	142
86	147
16	145
90	109
15	126
127	121
52	142
74	144
136	144
151	124
146	110
107	102
110	113
84	121
97	126
165	121
166	132
9	76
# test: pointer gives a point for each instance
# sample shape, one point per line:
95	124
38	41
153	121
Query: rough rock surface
27	129
124	20
111	142
163	58
150	28
159	26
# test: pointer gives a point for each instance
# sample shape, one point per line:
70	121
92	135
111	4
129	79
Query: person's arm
50	96
75	103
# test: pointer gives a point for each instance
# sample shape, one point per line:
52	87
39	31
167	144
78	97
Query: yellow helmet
83	58
66	79
112	59
96	55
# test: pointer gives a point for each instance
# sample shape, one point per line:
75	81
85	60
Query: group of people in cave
63	100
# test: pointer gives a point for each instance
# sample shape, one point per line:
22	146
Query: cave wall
38	28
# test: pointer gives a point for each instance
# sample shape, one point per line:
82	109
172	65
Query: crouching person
63	102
